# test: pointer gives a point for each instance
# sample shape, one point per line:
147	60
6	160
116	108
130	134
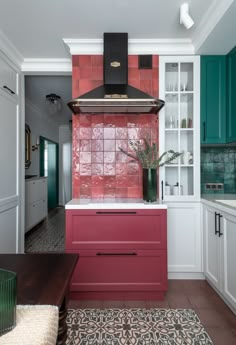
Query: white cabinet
179	183
35	202
184	239
8	78
179	120
10	160
219	252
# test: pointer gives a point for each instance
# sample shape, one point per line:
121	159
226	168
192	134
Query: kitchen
182	210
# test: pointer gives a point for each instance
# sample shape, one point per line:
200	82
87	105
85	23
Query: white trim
10	51
184	275
136	46
209	21
47	65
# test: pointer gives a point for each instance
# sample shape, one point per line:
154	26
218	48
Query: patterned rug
135	327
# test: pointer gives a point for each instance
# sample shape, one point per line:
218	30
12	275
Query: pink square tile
85	133
109	133
133	133
76	180
85	157
97	60
133	120
109	181
84	120
85	181
97	133
76	167
97	73
121	133
121	192
145	133
85	192
133	74
75	60
121	169
109	145
135	192
97	145
97	169
146	74
121	157
109	157
109	169
85	60
75	73
109	192
155	60
133	169
97	192
121	181
97	181
85	85
133	181
85	169
109	120
133	61
76	193
120	120
85	145
97	157
121	143
86	72
97	120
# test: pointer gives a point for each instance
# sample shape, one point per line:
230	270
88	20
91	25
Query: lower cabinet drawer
120	270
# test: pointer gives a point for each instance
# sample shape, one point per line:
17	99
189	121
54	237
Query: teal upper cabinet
213	99
231	100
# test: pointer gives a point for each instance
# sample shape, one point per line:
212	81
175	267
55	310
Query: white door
228	242
211	246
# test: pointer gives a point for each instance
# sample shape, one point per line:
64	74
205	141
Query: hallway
49	235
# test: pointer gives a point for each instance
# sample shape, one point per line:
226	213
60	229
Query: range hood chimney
115	95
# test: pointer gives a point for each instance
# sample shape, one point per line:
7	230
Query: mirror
27	146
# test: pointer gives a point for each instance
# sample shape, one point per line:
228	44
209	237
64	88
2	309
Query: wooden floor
214	314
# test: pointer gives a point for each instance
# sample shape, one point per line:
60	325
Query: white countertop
217	200
113	203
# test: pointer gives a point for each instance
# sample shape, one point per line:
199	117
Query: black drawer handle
216	215
116	254
7	88
220	233
115	212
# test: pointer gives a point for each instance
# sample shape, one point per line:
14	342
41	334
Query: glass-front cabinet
179	123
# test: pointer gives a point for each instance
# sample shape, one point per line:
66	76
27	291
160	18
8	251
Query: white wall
65	158
40	124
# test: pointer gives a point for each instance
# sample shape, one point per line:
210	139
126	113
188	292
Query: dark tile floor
217	318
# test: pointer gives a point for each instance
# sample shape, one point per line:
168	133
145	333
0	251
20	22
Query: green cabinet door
231	92
213	99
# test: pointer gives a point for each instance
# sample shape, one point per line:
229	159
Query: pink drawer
113	270
117	229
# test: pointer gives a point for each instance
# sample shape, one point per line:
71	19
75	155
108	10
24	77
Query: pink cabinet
123	254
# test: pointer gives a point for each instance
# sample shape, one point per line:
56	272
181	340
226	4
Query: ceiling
38	30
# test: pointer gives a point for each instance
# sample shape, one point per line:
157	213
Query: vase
150	185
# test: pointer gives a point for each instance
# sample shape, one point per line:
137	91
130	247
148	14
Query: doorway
49	153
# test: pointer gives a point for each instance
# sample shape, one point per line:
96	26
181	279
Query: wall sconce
36	146
53	103
185	17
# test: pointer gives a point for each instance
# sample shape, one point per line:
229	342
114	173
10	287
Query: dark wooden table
43	279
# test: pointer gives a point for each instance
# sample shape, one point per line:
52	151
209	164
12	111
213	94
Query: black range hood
115	96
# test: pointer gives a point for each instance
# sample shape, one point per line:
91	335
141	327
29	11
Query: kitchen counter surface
112	203
218	200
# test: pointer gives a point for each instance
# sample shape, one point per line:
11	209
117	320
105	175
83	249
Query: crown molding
136	46
52	66
210	19
10	50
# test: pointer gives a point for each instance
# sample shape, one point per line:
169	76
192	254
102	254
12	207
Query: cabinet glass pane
172	177
171	110
186	76
186	147
172	81
186	180
172	143
186	110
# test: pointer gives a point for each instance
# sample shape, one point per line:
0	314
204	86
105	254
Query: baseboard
186	275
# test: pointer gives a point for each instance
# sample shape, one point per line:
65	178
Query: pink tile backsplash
99	168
